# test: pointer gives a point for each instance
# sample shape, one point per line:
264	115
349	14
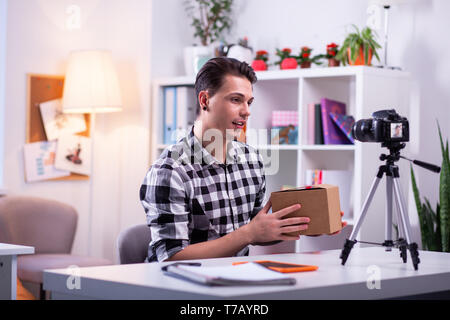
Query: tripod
392	189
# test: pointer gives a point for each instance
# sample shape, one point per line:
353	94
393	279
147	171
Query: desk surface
330	281
7	249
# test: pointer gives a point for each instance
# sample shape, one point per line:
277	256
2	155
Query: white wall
38	42
3	11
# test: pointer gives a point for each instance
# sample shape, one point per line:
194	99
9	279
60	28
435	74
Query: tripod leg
349	243
388	227
402	244
405	221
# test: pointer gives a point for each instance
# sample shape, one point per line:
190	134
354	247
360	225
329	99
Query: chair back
132	244
47	225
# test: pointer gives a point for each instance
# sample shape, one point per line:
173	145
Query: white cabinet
363	90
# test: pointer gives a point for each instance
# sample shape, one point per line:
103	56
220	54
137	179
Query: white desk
8	269
331	281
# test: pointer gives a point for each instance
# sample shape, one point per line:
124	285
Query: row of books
179	112
328	123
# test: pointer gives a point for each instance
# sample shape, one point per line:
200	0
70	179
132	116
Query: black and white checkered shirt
190	197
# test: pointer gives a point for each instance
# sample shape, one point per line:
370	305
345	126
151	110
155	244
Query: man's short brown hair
211	76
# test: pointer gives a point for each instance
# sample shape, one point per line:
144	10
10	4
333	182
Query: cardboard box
319	202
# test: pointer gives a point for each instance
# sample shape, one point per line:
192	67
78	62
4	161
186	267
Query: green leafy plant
305	56
357	40
209	18
434	225
283	54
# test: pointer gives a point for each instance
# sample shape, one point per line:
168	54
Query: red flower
305	55
287	50
332	45
261	52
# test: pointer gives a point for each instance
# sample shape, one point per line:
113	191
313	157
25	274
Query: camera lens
362	130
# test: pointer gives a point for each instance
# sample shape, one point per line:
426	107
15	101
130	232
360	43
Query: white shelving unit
363	89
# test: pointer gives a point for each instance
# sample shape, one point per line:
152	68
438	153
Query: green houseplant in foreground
435	225
358	47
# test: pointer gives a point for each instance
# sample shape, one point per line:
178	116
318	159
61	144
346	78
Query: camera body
385	126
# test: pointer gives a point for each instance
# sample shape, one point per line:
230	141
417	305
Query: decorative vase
195	57
240	53
305	65
359	61
259	65
288	63
332	62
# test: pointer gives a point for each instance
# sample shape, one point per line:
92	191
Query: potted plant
332	50
435	225
287	61
240	51
359	47
260	61
209	19
304	59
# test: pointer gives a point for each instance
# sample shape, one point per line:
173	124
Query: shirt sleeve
163	197
259	202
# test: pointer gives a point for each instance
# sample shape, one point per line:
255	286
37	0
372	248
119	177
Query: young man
204	199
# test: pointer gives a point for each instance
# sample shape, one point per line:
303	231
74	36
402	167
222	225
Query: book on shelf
231	275
169	114
311	125
345	124
318	130
179	112
284	127
340	178
332	134
186	110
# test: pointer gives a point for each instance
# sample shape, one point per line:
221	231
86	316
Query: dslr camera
385	126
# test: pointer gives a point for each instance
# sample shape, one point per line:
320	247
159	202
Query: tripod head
394	155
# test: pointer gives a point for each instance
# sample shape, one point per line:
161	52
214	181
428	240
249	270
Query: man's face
229	107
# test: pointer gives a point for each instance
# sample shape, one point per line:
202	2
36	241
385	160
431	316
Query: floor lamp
386	4
91	86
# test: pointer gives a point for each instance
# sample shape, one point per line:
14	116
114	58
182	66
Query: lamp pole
386	25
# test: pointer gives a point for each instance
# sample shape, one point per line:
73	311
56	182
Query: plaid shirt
190	197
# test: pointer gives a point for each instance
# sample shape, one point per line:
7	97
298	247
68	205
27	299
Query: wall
39	42
3	11
417	43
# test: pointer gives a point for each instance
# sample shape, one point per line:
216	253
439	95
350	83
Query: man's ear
203	98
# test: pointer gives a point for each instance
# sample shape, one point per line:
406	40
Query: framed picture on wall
56	123
73	153
40	162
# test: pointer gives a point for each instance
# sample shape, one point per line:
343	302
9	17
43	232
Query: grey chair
132	244
47	225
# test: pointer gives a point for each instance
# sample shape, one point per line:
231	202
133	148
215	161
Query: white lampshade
91	84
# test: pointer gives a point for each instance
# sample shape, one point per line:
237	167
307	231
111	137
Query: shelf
349	147
292	147
318	72
278	147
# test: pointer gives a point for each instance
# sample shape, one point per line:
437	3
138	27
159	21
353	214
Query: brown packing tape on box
318	202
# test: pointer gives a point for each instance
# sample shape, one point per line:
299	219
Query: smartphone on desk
282	267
